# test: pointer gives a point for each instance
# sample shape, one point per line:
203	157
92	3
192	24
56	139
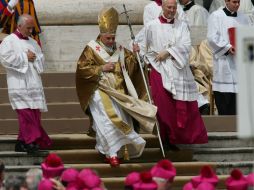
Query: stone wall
68	25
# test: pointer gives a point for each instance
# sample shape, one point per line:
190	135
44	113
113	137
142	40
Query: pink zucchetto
83	173
236	181
206	175
205	186
70	177
146	182
87	178
92	181
250	179
72	188
164	169
45	184
201	186
52	166
132	178
188	186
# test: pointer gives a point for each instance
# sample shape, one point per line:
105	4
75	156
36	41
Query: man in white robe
196	14
23	60
153	10
224	73
105	86
166	47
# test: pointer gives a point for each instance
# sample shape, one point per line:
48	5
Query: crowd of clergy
53	175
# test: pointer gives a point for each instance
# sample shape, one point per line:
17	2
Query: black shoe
173	147
170	147
32	148
205	109
20	147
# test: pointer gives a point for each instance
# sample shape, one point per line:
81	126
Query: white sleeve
12	60
148	15
201	17
218	44
40	59
181	50
144	41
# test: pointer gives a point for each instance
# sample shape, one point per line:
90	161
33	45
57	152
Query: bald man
23	60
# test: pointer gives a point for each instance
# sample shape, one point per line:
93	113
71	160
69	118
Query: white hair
35	176
23	18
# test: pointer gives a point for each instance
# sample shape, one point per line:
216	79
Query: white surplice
224	72
176	75
197	16
245	5
23	77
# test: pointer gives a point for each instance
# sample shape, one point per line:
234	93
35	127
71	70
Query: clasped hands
31	56
109	67
161	56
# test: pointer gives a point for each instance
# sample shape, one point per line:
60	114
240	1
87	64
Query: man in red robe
166	47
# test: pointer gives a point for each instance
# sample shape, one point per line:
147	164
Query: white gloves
13	3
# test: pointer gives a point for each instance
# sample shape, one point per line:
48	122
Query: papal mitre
108	20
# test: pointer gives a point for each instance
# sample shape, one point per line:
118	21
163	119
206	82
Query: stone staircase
67	126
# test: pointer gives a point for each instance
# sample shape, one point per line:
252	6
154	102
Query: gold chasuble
118	85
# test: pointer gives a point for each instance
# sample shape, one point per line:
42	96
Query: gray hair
33	178
14	182
23	18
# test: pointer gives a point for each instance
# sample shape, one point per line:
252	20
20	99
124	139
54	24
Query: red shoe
114	161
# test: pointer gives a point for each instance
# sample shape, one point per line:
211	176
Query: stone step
182	168
88	156
223	139
52	126
52	94
66	79
114	182
80	125
71	141
55	110
223	154
83	141
179	181
21	158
